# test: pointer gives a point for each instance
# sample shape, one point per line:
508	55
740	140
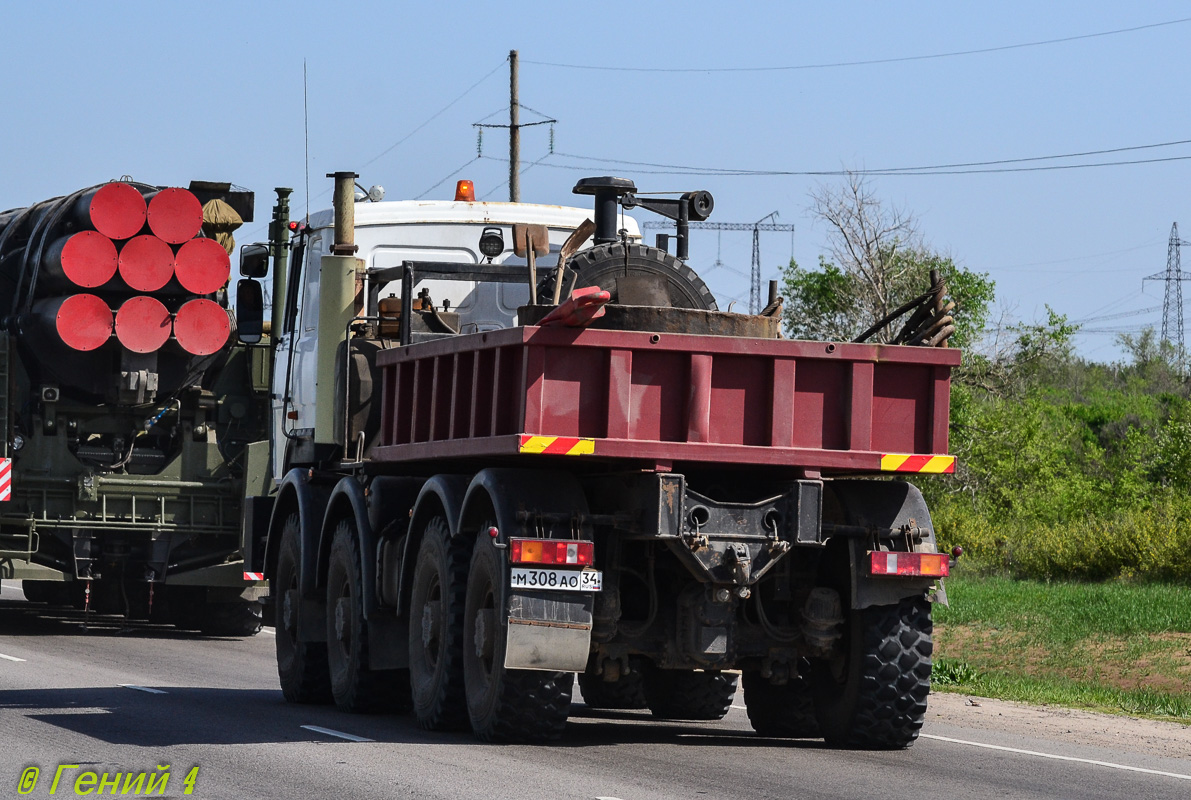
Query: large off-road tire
687	694
505	705
354	686
782	711
55	593
244	618
626	693
604	264
301	665
877	700
436	630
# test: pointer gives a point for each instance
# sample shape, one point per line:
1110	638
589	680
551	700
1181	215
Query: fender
885	504
507	491
311	500
442	493
346	501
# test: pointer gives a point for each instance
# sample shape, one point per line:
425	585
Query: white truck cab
388	234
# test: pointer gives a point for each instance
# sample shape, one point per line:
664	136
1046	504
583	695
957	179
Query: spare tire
607	265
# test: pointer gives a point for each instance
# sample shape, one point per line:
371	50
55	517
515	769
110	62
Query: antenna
306	133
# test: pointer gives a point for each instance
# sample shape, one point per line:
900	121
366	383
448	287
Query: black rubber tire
505	705
782	711
355	687
244	618
301	665
186	607
436	630
54	593
625	694
601	265
687	694
879	702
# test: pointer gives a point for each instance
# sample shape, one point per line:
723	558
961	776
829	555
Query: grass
1117	647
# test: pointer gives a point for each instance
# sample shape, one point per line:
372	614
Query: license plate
566	580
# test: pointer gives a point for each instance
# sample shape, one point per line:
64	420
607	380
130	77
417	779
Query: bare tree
877	244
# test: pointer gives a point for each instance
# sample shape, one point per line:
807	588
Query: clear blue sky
167	92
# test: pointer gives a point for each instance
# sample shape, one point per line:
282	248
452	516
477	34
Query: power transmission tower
1172	304
755	303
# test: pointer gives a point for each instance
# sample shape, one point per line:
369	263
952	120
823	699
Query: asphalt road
75	695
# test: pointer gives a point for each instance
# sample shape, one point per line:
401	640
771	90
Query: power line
941	169
866	62
433	117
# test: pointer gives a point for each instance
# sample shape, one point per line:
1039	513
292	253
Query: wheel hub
485	631
431	623
289	611
343	620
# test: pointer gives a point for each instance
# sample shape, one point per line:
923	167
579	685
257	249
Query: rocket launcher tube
82	322
146	263
175	215
87	259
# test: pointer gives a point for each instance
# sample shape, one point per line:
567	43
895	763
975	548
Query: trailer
630	486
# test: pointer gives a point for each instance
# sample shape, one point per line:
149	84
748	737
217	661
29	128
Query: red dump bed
664	397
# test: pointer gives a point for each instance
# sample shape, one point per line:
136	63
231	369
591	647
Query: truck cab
388	233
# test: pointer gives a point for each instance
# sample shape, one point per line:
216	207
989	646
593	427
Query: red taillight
551	551
930	565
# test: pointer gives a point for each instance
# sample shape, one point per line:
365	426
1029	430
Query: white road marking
349	736
140	688
10	658
1108	764
742	708
269	631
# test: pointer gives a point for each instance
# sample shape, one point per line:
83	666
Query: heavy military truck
506	456
129	406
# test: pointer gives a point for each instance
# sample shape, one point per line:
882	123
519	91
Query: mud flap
548	631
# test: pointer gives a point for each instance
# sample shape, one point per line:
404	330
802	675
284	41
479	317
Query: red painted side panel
834	407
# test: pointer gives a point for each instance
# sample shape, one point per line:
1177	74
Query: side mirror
250	310
254	261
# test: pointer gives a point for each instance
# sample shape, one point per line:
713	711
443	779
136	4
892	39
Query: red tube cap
202	327
175	215
118	210
84	322
143	324
203	266
146	263
89	259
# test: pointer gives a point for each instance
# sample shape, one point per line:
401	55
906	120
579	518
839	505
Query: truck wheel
626	693
505	705
687	694
232	619
301	665
354	686
436	630
55	593
786	711
878	699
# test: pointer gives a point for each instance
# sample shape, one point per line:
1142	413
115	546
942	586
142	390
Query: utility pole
514	133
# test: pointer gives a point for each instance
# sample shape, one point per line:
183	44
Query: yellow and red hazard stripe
899	462
557	445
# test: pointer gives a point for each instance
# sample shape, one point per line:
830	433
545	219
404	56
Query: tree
877	262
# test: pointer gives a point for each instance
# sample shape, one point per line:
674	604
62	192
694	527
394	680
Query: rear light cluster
930	565
551	551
